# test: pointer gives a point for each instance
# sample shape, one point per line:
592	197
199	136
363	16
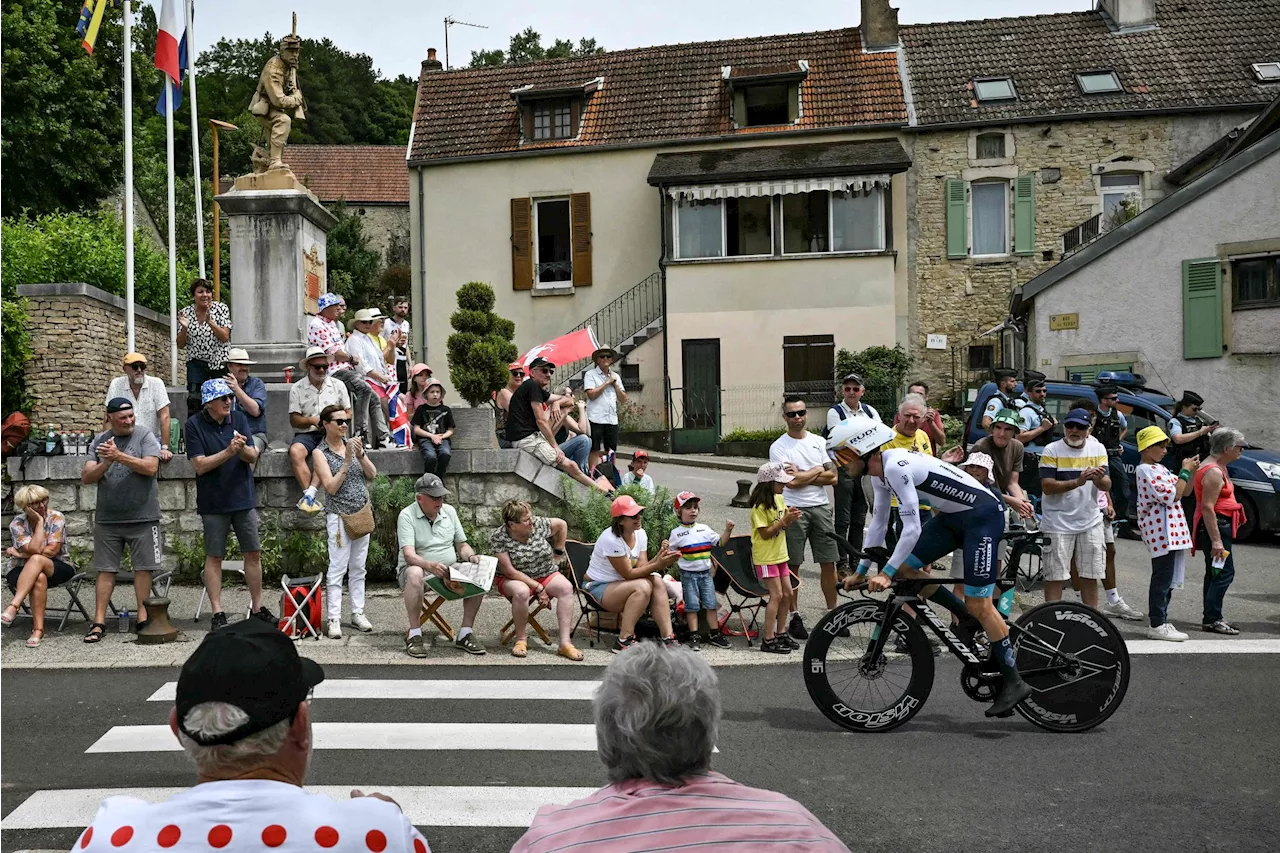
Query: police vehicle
1256	474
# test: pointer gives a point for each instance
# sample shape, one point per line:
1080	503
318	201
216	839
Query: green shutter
957	212
1202	308
1024	215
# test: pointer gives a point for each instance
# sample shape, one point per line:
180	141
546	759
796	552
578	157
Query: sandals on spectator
97	631
520	649
1222	626
568	650
5	618
33	640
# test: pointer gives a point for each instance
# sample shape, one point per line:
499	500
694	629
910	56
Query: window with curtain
1255	282
822	221
990	217
699	228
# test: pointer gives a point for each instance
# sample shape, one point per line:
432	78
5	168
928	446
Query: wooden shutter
1024	215
1202	308
957	193
521	244
580	235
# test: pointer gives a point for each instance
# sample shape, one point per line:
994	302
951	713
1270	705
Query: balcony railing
1082	235
621	319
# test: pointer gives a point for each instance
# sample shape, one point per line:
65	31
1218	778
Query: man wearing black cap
1006	381
1110	428
851	501
242	713
123	461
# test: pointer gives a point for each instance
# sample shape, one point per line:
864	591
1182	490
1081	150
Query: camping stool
302	596
508	632
72	588
743	498
227	566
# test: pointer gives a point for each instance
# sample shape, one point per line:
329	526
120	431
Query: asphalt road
1187	764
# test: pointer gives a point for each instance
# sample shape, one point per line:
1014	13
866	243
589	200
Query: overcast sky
397	33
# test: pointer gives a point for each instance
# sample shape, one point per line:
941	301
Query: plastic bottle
50	440
124	621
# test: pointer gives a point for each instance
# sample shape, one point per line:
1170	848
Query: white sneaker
335	630
360	623
1121	611
1166	632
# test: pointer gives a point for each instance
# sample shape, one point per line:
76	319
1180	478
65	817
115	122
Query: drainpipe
422	262
666	331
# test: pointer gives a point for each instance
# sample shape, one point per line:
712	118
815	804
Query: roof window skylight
995	89
1267	72
1097	82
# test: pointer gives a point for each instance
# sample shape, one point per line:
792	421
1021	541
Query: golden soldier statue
277	95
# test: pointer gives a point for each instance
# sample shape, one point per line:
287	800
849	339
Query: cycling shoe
1010	695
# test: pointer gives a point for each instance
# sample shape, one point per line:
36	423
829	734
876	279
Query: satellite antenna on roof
450	21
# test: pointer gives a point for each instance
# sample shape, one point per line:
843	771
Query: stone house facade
1039	146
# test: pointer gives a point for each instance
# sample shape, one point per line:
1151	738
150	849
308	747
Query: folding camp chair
431	606
227	566
579	559
159	588
738	583
508	632
302	606
72	588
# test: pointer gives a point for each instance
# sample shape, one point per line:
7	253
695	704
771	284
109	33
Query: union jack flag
398	416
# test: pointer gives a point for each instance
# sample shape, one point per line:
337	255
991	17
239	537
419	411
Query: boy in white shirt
694	542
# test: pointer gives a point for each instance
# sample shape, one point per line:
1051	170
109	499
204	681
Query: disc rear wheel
859	693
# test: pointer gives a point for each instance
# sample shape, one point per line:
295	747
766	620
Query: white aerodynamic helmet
860	434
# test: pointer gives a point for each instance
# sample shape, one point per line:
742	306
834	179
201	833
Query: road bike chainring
980	686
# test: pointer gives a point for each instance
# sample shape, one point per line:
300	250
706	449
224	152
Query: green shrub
387	498
884	369
481	347
741	434
15	352
954	428
590	516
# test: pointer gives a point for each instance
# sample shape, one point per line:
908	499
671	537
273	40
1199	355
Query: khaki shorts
538	446
1108	532
816	525
1089	548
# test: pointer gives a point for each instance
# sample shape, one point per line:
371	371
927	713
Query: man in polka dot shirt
243	716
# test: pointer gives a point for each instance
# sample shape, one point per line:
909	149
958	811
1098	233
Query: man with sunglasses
529	424
1073	472
149	397
308	397
806	455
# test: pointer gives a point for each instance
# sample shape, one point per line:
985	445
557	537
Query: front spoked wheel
856	691
1076	662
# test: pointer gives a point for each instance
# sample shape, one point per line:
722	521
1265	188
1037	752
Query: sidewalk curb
714	463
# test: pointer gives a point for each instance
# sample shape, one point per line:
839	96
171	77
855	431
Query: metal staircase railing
618	322
1082	235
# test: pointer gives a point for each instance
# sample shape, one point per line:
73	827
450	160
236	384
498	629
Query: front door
698	427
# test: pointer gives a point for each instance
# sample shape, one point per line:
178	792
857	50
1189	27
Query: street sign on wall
1063	322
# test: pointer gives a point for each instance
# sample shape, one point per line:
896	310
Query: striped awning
787	186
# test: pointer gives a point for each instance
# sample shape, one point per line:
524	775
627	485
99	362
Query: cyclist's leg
939	536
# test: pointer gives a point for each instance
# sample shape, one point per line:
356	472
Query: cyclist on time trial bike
969	516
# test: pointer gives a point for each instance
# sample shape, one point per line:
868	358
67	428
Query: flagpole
173	258
195	133
128	174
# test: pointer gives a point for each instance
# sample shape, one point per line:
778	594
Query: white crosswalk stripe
1204	647
425	805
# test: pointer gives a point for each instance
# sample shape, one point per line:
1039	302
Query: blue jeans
578	449
435	458
1161	589
1216	581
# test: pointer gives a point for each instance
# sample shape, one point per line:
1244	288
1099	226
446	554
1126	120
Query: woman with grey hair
1218	516
657	718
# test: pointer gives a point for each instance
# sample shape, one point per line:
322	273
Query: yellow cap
134	358
1148	436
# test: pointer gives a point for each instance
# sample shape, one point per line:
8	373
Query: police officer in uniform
1004	398
1110	428
1037	426
1188	436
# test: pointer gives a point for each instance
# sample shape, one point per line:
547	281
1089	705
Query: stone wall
387	228
481	482
962	298
78	341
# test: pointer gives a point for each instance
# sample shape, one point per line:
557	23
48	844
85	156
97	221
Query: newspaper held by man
479	573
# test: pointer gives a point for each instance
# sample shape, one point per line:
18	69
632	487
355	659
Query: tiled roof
1198	55
759	162
370	174
656	94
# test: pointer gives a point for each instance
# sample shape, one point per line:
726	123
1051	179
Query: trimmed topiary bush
481	347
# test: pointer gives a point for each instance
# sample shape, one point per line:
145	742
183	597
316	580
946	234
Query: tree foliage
526	46
883	369
481	348
351	264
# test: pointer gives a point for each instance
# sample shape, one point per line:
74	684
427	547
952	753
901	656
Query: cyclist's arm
909	511
879	521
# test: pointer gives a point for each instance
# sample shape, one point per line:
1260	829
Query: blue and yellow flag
91	20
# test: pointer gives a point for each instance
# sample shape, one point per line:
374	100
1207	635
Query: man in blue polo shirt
220	447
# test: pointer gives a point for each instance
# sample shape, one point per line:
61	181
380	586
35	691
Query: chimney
1130	14
431	63
879	26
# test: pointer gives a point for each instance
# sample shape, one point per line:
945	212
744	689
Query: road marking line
468	737
392	688
1204	647
424	805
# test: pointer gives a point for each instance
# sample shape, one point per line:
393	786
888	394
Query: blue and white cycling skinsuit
969	516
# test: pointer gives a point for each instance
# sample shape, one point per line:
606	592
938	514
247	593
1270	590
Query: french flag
171	32
398	415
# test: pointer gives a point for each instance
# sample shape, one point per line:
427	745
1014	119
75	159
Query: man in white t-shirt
246	686
806	455
604	391
1073	472
396	330
150	399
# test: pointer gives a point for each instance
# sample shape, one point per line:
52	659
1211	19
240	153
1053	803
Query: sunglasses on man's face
137	367
797	414
1075	427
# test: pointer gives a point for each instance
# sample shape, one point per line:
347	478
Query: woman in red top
1218	517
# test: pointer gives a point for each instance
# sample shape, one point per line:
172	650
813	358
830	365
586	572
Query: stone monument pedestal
277	268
